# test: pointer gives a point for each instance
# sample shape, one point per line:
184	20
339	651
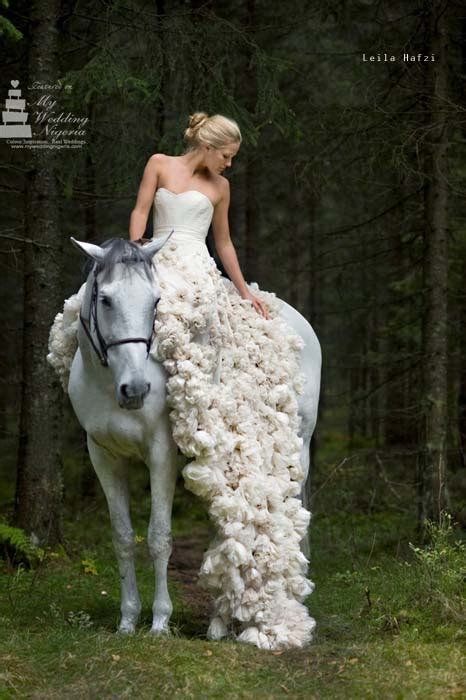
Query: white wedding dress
233	382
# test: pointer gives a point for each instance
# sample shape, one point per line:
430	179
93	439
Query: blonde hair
216	131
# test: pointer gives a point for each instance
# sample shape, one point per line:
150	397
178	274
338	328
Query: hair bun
197	119
214	131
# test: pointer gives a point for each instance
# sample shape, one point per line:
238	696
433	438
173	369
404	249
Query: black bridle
102	350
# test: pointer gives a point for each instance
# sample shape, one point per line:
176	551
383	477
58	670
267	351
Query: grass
390	621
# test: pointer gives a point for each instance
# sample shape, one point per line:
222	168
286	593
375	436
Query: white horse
118	392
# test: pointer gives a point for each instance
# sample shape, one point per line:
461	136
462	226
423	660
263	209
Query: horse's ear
150	249
92	251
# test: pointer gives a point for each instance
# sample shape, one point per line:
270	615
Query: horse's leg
162	463
112	473
305	460
308	421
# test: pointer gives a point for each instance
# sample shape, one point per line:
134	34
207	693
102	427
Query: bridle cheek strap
102	350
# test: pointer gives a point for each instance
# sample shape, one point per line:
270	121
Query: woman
233	377
213	142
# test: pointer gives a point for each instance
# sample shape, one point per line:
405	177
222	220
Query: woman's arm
226	250
145	198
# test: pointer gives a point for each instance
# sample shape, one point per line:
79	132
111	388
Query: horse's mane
118	250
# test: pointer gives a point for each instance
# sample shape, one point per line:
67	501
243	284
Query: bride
233	378
213	142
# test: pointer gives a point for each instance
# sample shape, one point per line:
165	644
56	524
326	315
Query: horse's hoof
159	630
127	627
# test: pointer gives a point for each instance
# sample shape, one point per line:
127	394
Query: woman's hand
259	305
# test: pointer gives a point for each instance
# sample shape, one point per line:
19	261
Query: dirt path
183	567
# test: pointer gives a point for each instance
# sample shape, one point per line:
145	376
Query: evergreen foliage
7	29
17	548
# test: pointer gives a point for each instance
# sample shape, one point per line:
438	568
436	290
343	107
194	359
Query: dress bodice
189	213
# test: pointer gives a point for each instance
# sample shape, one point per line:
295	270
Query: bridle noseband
102	350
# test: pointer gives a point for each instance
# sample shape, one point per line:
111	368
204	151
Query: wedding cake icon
14	117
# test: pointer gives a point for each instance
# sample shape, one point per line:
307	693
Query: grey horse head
118	312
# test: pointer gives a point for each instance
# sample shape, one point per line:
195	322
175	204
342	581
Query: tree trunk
314	301
90	208
434	405
375	354
400	424
39	484
160	114
251	231
295	251
251	242
462	379
461	409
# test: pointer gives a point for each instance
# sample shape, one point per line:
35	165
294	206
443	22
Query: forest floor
389	624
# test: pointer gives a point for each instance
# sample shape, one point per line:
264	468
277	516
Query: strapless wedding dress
233	382
188	213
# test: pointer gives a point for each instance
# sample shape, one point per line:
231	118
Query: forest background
347	201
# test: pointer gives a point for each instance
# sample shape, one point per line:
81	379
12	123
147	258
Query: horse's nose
129	391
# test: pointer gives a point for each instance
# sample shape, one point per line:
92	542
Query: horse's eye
106	301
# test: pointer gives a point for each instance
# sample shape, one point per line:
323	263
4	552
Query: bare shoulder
223	186
160	157
157	161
